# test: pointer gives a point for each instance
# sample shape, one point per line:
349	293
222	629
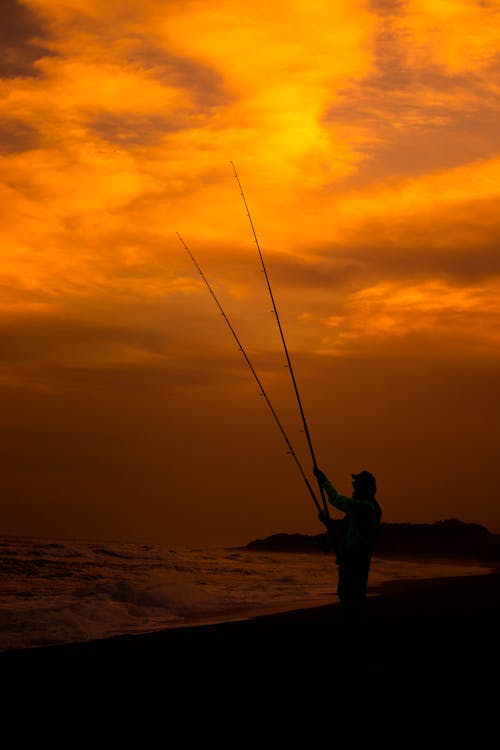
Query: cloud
48	352
49	338
473	43
17	136
131	130
412	113
442	316
22	38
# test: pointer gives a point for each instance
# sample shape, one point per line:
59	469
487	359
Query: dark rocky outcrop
450	538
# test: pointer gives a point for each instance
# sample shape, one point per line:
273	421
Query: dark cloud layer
48	338
22	37
205	90
130	130
206	85
160	452
340	268
72	354
17	136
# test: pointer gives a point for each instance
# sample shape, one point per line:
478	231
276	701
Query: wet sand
424	662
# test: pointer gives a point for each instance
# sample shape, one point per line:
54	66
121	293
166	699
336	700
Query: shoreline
392	586
426	655
395	598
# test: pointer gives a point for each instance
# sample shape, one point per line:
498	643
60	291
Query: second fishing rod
283	341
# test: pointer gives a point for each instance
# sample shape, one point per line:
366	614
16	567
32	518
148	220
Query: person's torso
362	524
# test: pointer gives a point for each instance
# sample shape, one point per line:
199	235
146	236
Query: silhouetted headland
450	538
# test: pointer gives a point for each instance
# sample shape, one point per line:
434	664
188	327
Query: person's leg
353	582
348	585
343	583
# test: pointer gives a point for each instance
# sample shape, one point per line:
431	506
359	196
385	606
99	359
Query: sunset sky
366	135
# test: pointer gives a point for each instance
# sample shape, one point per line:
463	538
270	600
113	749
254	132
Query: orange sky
366	137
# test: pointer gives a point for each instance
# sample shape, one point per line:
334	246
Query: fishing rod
289	363
257	379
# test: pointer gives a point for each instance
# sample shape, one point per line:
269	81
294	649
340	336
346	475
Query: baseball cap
366	479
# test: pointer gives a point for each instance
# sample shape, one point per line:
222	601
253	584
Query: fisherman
354	536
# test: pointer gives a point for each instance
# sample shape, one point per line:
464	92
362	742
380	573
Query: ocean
55	591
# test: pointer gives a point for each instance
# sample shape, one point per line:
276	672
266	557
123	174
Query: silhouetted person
354	536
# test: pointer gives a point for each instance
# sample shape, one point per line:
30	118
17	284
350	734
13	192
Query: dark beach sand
423	663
